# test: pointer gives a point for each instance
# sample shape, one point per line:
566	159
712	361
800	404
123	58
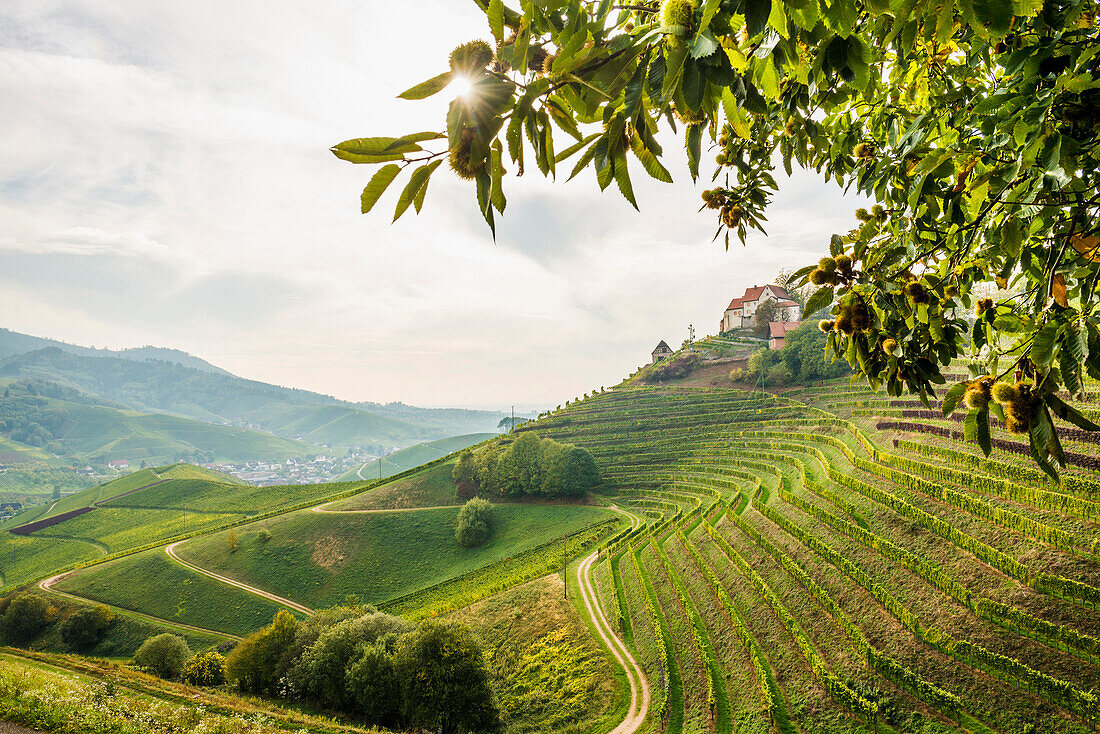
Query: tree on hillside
163	655
975	126
464	475
475	523
766	312
444	682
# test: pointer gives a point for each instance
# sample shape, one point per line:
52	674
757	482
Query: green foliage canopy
84	627
534	467
974	125
164	655
475	523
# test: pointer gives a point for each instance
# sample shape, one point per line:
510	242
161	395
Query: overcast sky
165	179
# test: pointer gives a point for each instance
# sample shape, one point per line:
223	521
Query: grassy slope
181	594
429	488
319	559
546	670
187	503
66	694
414	456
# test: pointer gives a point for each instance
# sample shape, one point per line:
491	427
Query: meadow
319	559
182	595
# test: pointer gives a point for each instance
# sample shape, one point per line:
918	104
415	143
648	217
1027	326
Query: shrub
163	655
204	669
264	535
672	368
737	374
24	615
85	627
231	542
321	672
371	682
253	663
475	523
444	683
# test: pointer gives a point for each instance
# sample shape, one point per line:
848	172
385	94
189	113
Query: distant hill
71	424
13	343
167	386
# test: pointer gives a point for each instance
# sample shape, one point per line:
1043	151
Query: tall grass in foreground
56	702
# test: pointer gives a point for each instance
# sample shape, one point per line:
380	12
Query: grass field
318	559
181	594
66	694
147	506
431	487
547	671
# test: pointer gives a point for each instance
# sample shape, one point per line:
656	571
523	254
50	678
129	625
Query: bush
737	374
371	682
163	655
475	523
24	615
671	368
204	669
321	672
84	628
264	535
443	679
253	663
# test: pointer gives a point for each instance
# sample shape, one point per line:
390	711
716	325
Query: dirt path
321	508
47	586
6	727
171	551
639	685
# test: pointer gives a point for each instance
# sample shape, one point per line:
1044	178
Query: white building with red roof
741	313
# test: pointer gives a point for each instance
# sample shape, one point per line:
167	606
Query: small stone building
661	351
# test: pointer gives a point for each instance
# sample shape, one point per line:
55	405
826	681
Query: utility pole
691	333
513	429
564	564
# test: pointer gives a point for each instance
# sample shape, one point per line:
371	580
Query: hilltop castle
741	313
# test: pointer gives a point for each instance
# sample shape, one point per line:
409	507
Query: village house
741	313
661	351
777	332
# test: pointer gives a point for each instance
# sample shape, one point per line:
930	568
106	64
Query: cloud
165	179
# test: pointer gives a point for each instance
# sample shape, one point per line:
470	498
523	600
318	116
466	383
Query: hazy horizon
165	180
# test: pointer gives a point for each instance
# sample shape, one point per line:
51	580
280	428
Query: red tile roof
753	294
779	329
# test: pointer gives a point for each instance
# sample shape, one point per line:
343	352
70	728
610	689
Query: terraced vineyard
806	567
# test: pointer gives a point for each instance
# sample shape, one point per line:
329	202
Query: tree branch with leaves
975	126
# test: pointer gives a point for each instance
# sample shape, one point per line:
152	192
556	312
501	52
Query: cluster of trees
475	523
527	467
379	668
23	615
802	359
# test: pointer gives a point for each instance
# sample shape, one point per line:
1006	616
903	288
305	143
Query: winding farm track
639	685
171	551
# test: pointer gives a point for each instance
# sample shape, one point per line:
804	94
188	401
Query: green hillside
414	456
71	425
318	559
146	507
